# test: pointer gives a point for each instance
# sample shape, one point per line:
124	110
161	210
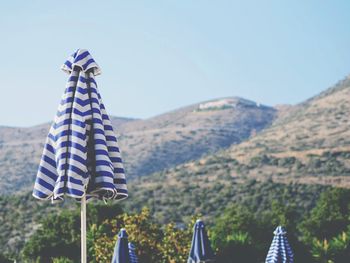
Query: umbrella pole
83	230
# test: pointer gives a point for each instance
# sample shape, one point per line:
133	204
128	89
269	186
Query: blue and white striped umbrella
280	250
201	250
121	249
132	253
81	155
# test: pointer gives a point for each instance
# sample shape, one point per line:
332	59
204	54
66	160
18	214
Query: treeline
21	215
195	194
239	234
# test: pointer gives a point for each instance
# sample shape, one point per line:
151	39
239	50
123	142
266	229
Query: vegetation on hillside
239	234
274	177
206	187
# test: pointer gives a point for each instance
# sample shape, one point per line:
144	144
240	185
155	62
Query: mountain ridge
147	146
307	146
255	136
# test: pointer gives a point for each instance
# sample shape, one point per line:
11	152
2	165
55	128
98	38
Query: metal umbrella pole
83	229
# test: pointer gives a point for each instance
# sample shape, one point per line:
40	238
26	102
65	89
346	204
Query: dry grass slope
308	143
307	147
148	146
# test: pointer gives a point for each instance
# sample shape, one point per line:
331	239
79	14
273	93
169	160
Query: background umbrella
81	157
121	249
201	250
132	253
280	250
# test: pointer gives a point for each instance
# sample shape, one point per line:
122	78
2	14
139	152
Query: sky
157	56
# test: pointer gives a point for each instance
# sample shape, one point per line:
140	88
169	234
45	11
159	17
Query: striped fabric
132	253
81	154
121	250
280	250
201	250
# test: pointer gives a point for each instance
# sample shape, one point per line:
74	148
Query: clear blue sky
160	55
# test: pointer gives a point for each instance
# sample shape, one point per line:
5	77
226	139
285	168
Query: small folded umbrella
81	157
201	250
132	253
280	250
121	249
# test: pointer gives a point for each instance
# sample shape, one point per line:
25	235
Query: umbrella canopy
132	253
280	250
81	154
201	250
121	249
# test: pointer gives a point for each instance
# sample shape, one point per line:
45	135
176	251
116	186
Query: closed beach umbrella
280	250
81	157
132	253
121	249
201	250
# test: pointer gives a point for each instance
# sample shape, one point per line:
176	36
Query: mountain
189	133
147	146
201	159
307	145
20	150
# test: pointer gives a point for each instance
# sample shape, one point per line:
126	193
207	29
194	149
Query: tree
176	243
58	236
330	216
234	236
62	260
142	231
335	250
4	259
239	248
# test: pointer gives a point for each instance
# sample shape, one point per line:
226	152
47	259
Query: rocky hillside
149	145
189	133
20	150
308	144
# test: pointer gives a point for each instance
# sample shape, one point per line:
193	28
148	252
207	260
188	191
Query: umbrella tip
199	223
122	233
82	50
280	230
83	60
